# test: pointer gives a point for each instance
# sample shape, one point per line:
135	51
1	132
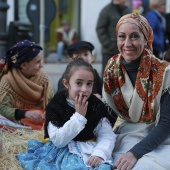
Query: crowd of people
78	120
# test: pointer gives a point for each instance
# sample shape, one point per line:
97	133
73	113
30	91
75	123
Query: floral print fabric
40	156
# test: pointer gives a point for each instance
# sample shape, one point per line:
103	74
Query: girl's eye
38	62
89	84
78	83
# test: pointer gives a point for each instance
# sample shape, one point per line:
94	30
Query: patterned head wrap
18	54
142	23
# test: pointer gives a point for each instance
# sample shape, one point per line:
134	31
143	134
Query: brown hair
73	65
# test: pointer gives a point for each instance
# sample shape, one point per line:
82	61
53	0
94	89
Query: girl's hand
125	162
94	161
81	104
34	115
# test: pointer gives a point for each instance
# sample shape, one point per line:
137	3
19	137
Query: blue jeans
60	49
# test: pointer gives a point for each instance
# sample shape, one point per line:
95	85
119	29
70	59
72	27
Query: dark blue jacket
158	30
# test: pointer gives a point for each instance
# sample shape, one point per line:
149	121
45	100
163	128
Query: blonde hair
154	4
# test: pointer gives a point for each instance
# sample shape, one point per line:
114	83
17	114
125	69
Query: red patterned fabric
148	87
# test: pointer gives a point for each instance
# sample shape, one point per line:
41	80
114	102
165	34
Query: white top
102	147
67	36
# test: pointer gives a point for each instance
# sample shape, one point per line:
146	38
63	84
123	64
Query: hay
14	143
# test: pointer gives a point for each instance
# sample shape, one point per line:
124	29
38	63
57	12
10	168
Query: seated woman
137	88
24	87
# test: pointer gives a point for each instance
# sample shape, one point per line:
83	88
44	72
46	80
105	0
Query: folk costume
18	93
139	93
73	137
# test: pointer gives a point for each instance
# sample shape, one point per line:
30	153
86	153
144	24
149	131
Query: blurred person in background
106	26
157	21
65	37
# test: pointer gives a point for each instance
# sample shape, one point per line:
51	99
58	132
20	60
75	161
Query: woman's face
32	68
130	41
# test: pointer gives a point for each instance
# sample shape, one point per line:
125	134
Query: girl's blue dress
40	156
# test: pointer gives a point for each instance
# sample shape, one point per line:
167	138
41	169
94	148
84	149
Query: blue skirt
40	156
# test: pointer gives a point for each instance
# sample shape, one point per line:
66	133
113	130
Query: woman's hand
34	115
94	161
125	162
81	104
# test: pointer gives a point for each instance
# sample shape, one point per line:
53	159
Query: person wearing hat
24	87
84	50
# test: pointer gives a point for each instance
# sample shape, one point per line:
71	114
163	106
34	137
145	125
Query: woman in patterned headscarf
136	86
24	88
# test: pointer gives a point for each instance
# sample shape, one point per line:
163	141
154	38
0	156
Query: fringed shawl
142	102
25	93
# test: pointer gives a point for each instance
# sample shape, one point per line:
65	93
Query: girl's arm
106	139
63	135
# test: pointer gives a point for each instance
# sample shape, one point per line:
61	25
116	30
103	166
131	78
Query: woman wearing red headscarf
136	87
24	87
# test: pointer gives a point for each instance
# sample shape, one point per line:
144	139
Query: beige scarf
25	93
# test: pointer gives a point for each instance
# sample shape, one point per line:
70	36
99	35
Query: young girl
25	89
81	136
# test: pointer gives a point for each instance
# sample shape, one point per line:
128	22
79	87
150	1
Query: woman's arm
159	133
63	135
15	114
152	140
9	112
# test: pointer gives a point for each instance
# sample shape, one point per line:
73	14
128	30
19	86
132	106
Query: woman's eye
121	37
134	36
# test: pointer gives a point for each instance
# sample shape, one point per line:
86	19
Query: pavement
55	69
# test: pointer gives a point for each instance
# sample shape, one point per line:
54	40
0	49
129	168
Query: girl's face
32	68
81	82
130	41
